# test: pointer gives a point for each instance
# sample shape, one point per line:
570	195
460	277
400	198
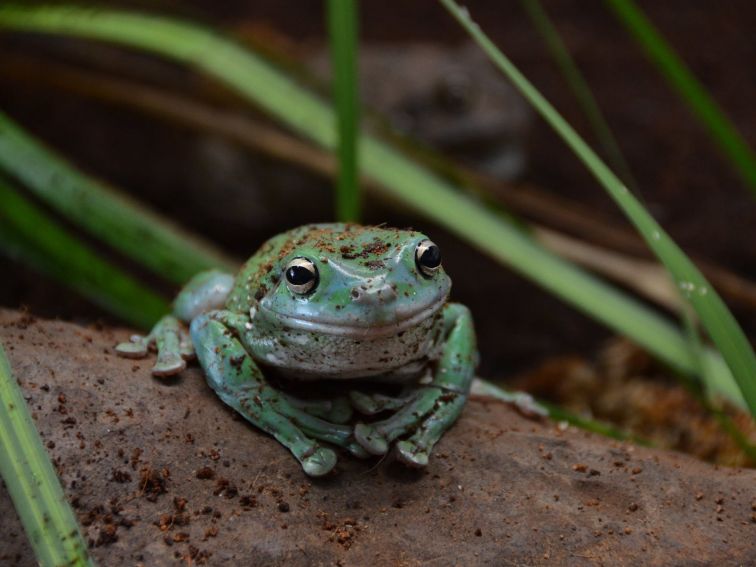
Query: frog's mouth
402	321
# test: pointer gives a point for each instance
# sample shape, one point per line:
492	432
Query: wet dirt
162	473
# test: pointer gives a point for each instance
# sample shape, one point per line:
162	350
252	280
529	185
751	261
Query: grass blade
112	217
342	28
32	483
714	315
691	91
400	178
580	89
30	234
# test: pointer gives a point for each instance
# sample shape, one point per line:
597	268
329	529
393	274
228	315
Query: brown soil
161	472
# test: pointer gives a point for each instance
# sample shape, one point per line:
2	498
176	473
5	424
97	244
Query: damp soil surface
162	473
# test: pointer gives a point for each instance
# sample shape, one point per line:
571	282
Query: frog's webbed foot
238	381
432	408
416	450
173	344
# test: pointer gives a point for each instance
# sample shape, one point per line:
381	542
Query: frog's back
262	272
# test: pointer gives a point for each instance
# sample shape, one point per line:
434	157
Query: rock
161	472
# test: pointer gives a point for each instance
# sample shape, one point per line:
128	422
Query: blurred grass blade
690	90
112	217
714	315
342	28
32	483
30	234
399	178
580	89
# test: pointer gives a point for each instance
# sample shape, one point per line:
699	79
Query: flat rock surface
162	473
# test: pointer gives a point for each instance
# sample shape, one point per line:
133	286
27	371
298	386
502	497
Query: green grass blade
580	89
112	217
691	91
714	315
34	237
32	483
400	178
342	27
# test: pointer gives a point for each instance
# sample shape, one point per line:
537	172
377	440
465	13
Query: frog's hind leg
435	407
238	381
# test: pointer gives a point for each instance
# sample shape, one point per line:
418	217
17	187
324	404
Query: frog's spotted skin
337	302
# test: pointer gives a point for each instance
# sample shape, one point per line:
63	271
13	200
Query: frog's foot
337	434
523	402
173	344
416	450
337	410
264	411
320	463
372	404
377	437
431	412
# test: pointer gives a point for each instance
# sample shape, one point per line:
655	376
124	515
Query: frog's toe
356	450
321	462
186	347
372	404
364	403
338	410
371	439
168	365
411	455
137	348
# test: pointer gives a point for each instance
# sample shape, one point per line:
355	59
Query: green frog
342	305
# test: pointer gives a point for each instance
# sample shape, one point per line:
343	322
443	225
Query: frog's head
350	301
356	281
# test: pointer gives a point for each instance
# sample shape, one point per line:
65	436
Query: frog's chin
402	322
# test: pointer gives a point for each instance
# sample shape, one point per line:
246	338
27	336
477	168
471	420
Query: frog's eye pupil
298	275
428	258
301	275
431	258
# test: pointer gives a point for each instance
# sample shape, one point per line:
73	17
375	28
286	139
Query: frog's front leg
239	382
204	292
435	407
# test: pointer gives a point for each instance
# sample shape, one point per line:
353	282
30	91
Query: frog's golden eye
428	258
301	276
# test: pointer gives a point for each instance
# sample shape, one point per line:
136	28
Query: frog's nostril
382	293
387	293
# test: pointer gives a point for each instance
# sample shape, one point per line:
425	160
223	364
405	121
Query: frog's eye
427	258
301	276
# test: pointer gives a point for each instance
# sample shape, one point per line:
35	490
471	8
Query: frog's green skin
373	315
